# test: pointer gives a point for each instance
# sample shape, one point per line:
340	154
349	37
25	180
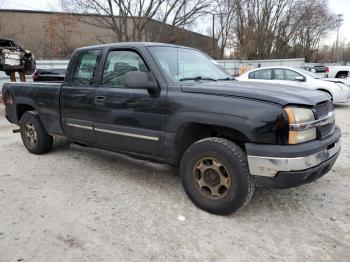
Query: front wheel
215	176
34	136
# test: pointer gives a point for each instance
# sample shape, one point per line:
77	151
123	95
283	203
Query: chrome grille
322	110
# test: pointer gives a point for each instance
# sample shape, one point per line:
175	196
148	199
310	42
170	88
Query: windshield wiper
197	78
226	79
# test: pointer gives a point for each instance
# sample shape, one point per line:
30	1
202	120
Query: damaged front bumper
283	166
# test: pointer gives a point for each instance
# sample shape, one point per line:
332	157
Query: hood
279	94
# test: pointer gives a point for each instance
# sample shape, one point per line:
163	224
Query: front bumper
284	166
342	96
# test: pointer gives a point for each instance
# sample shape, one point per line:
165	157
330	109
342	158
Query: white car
339	92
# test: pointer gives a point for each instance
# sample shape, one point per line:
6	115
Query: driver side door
128	119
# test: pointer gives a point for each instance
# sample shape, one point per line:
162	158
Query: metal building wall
235	66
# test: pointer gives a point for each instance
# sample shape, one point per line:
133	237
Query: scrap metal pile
14	58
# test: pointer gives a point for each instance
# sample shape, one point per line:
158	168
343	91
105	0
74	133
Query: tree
59	30
130	20
315	22
224	13
280	28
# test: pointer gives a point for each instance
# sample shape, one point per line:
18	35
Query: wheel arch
340	73
190	132
326	91
22	108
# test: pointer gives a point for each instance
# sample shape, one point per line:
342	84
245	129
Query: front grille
322	110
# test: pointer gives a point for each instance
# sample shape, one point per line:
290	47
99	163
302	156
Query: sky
337	6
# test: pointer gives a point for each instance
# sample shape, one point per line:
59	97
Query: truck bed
44	97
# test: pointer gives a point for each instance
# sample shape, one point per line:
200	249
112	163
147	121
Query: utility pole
213	34
338	21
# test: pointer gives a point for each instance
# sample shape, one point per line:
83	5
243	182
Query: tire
218	192
34	136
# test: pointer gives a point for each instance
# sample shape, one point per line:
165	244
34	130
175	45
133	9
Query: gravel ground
79	204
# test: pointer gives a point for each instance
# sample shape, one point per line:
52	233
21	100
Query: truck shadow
162	179
342	106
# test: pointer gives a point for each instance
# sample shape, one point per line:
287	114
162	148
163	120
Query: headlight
298	115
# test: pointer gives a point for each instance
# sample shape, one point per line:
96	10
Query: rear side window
120	62
85	68
261	74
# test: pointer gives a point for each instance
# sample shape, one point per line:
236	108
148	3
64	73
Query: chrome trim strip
80	126
270	166
127	134
313	124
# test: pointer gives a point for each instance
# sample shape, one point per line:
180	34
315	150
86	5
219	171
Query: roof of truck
132	44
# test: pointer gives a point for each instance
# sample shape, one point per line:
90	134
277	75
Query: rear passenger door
128	119
77	96
261	75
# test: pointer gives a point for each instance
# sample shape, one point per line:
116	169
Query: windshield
308	73
187	65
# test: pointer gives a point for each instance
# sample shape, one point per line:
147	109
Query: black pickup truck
173	104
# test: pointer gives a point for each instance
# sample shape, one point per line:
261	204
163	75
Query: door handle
100	99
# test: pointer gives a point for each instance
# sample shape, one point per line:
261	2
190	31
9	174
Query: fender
326	90
260	122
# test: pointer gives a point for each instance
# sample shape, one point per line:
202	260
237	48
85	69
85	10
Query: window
285	74
85	68
279	74
291	75
185	64
118	64
264	74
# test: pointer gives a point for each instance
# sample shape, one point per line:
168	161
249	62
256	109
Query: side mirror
300	79
140	80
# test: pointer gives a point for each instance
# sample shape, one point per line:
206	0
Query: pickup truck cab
172	104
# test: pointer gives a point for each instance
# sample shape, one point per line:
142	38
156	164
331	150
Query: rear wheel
34	136
215	176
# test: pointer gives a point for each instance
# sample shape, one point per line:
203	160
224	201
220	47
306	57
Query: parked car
338	92
49	75
320	69
171	104
14	58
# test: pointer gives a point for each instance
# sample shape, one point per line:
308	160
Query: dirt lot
78	204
